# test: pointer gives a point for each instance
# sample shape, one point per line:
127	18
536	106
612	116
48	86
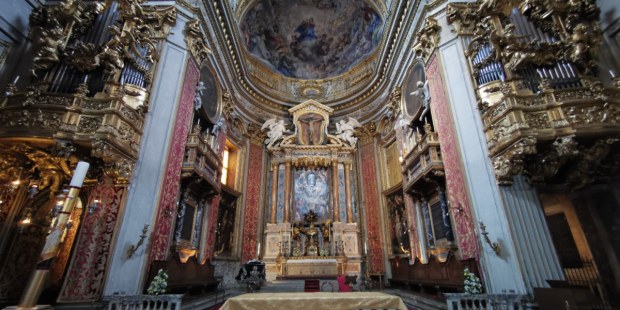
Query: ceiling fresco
311	39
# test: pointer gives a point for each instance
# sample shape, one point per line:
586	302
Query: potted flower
159	283
472	283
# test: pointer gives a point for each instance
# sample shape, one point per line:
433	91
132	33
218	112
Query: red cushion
343	287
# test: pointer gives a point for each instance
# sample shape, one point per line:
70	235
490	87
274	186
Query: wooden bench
188	278
437	276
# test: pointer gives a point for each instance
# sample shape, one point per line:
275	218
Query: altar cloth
314	301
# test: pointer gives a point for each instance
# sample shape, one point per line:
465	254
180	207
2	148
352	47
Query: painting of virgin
311	193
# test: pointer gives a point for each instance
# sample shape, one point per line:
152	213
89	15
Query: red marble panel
84	279
373	214
455	177
164	224
252	202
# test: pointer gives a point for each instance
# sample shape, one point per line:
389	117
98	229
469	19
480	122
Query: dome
311	39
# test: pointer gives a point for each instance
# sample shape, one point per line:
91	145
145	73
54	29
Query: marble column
273	216
335	191
171	104
532	240
287	192
347	190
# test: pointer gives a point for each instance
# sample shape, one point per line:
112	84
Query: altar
313	267
315	301
311	227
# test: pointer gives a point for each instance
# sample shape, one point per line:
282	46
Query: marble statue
277	129
345	130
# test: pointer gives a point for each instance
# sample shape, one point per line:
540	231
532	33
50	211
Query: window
225	166
229	165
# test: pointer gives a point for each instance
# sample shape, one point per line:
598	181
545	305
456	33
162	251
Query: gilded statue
111	55
49	43
326	231
52	169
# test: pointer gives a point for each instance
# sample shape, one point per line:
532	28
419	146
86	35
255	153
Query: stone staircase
282	286
312	285
207	301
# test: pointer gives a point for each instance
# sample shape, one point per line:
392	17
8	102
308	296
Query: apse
311	39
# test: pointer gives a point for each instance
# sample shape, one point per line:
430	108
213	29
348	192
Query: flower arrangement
472	283
159	283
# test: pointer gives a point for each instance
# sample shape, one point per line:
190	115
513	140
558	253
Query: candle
613	75
16	79
85	79
258	250
79	174
365	247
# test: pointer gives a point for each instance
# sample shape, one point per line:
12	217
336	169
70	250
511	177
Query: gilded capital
427	39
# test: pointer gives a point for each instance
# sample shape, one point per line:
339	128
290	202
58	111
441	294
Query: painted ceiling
311	39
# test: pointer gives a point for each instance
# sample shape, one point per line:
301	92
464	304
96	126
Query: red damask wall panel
172	177
252	201
455	177
84	280
373	214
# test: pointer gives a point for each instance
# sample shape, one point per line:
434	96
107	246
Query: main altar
312	223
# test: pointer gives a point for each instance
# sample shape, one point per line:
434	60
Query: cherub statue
276	130
345	130
424	93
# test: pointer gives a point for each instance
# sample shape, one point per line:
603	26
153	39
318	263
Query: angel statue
344	130
276	130
424	93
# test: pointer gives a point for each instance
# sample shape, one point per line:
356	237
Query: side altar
312	220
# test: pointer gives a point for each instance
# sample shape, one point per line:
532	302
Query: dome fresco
311	39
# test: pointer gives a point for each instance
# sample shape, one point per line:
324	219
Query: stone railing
488	301
143	302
